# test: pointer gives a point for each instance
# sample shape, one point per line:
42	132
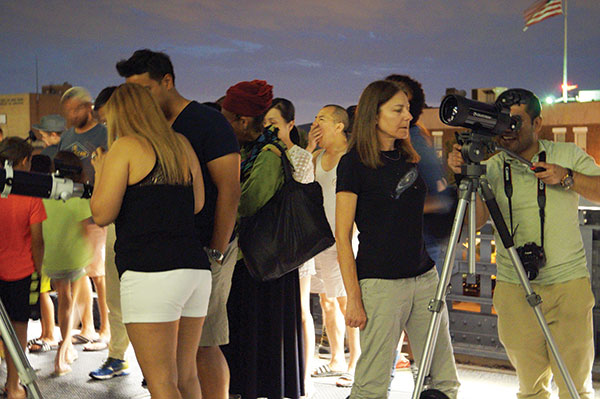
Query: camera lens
449	110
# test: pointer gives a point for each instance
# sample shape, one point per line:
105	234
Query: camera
489	119
533	258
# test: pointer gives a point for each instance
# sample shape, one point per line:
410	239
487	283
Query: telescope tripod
11	343
467	193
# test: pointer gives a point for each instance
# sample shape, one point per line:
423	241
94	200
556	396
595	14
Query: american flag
540	10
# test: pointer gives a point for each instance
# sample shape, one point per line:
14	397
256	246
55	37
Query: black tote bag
287	231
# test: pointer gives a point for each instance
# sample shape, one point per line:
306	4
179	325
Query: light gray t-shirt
83	145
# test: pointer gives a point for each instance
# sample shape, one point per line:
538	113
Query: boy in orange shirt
21	252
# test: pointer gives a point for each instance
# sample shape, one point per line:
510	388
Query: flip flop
345	381
97	345
39	346
79	339
325	371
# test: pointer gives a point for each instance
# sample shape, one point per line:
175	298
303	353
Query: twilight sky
313	52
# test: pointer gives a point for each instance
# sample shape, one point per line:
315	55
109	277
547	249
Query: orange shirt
17	214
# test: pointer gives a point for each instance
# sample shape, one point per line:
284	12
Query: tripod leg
11	342
436	304
533	299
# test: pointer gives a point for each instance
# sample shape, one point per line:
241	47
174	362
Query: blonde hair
364	131
131	111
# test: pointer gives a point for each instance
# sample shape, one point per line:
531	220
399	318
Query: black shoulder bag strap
285	163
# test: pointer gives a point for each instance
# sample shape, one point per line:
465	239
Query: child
67	254
46	341
21	253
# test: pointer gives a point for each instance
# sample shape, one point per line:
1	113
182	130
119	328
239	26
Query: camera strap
541	196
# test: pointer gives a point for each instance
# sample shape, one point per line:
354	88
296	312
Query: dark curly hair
155	63
417	102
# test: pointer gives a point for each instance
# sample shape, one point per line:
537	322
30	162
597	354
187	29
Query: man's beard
83	122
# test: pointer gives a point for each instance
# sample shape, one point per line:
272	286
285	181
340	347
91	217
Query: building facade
19	111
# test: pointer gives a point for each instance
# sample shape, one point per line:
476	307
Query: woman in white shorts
150	184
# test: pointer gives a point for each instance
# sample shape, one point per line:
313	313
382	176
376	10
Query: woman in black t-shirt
392	279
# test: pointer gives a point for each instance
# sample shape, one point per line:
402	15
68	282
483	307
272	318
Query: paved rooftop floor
476	381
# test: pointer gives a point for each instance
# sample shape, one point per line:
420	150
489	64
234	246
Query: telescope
40	185
482	118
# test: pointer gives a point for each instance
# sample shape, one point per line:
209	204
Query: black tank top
155	227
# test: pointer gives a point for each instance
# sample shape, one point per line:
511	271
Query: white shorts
307	269
328	279
159	297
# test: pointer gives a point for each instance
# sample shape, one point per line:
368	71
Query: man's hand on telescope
455	159
553	173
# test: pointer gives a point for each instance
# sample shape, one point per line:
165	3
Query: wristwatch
214	254
567	180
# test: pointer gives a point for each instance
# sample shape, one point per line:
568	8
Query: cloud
202	51
311	50
305	63
248	47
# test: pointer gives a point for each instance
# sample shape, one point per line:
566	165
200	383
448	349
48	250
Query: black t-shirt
389	220
212	137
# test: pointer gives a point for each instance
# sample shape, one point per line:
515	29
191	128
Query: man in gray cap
51	127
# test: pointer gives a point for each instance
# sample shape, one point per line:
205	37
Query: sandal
79	339
345	381
39	346
325	371
97	345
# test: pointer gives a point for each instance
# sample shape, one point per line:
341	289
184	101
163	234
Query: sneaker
111	368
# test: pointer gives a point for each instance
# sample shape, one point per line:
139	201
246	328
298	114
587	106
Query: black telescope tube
42	185
28	184
482	117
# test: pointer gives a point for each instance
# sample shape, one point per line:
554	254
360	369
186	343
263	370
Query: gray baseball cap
51	123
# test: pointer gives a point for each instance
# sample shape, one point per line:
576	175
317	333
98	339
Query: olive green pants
392	306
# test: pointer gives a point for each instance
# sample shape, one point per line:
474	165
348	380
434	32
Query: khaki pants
392	306
119	341
567	308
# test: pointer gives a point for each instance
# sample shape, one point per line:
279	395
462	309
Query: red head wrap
249	98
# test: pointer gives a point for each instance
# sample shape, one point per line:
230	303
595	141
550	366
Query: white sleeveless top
327	180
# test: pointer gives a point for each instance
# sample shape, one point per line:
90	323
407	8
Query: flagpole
564	85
